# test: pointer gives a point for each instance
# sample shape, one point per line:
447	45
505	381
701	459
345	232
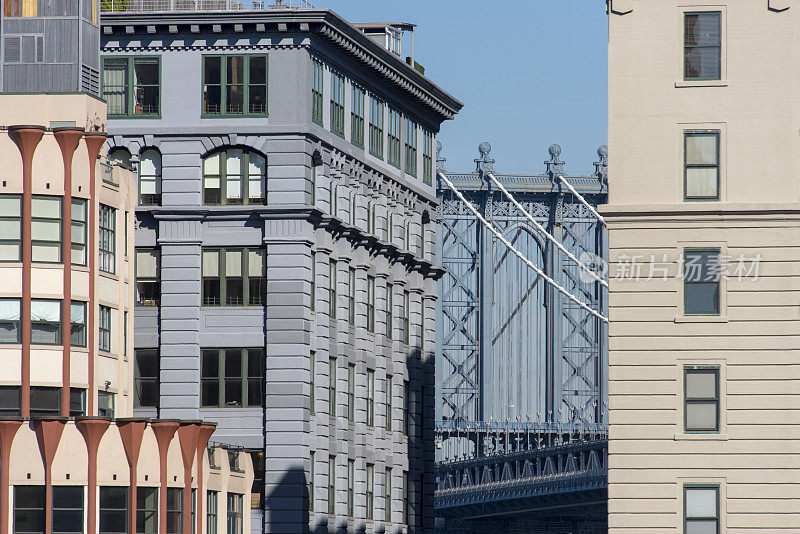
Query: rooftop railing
162	6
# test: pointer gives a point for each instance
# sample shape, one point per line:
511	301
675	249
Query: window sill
701	83
701	437
701	319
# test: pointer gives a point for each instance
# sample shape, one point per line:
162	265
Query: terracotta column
188	435
68	139
8	429
92	430
164	431
131	432
94	143
48	434
27	139
204	434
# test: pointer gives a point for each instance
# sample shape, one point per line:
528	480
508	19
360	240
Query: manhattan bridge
521	401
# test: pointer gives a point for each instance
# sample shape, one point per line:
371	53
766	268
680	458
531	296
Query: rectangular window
351	296
331	485
113	510
105	404
45	401
351	392
701	399
406	408
337	103
411	147
370	491
427	157
387	496
332	289
9	321
312	382
146	510
29	509
332	387
311	484
370	303
79	213
104	340
406	500
234	277
235	510
108	239
393	152
146	378
702	46
148	285
313	281
404	316
701	165
389	394
10	400
67	509
45	322
232	377
376	128
77	402
357	116
389	310
46	229
174	510
234	85
10	228
259	470
234	177
701	282
351	483
212	498
370	397
132	86
316	91
701	509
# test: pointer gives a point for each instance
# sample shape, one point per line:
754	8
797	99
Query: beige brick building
704	221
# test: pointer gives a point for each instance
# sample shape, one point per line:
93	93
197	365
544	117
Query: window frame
376	126
389	311
142	498
317	91
370	397
17	324
75	226
78	490
351	487
387	497
394	131
351	392
221	378
108	510
235	513
357	114
50	242
685	48
73	324
174	513
687	519
351	296
58	324
111	401
337	101
333	275
14	508
13	218
331	484
244	176
223	85
370	491
12	410
332	371
427	156
149	199
130	87
389	386
154	281
222	277
716	400
370	303
107	239
686	166
687	283
411	147
138	380
50	411
212	511
104	328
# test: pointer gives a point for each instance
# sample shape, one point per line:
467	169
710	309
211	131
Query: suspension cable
582	200
519	254
545	232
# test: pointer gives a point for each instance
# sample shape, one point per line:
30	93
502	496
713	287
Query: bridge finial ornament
554	166
484	162
601	167
439	158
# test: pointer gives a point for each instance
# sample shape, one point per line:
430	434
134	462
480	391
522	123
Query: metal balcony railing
161	6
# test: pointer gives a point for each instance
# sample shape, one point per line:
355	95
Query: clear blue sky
529	72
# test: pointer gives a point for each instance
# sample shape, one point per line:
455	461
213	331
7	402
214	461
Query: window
45	322
702	46
45	401
370	303
353	206
78	233
376	128
67	509
174	510
406	409
701	509
212	498
105	404
125	334
701	399
259	470
411	147
701	165
701	282
46	229
351	296
331	485
146	510
233	460
234	85
351	392
387	499
357	116
234	277
235	509
404	317
234	176
312	382
332	387
314	166
311	484
332	198
10	400
370	490
337	103
145	378
332	289
77	402
406	500
113	510
389	394
370	397
10	228
29	509
108	239
9	320
150	178
427	157
233	377
316	92
351	482
389	310
393	153
131	86
148	287
313	281
104	341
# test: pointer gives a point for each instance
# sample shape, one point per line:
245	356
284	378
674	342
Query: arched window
150	177
119	156
234	176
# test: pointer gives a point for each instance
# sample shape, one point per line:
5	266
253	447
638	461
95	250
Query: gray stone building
285	258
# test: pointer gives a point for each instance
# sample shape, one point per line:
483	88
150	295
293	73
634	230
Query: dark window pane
257	290
702	63
77	402
258	70
213	99
702	29
147	393
258	99
10	400
68	509
255	363
233	392
235	98
234	291
702	297
211	294
212	70
210	392
146	510
45	401
255	392
114	497
210	364
147	363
